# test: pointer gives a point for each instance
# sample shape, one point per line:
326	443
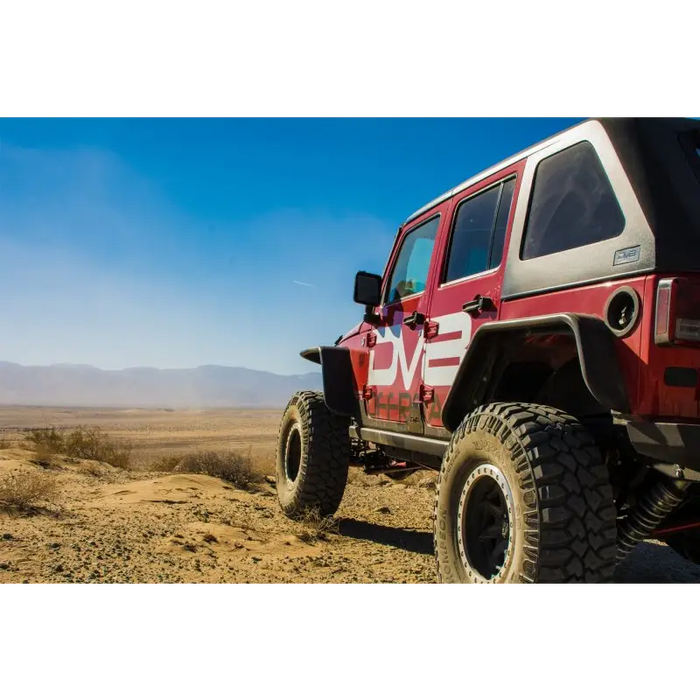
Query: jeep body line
535	337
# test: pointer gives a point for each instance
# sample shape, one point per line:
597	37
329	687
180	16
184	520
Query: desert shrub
167	463
315	527
238	469
45	441
91	443
27	490
43	455
91	469
5	444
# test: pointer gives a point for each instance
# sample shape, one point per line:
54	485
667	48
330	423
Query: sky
186	242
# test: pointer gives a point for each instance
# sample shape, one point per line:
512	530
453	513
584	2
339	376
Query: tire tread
571	517
324	469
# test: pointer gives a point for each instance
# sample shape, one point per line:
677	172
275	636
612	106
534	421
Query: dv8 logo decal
440	355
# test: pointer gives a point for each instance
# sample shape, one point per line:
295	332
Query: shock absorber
648	514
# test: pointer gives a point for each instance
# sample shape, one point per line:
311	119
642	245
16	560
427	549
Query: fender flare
595	345
339	392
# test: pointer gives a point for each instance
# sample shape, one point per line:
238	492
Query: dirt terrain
103	524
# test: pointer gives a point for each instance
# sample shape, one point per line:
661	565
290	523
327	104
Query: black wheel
523	496
313	455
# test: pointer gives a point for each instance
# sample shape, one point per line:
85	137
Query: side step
410	443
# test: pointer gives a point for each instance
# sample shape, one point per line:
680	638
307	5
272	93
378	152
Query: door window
479	232
410	273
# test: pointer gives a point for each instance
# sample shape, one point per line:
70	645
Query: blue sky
178	243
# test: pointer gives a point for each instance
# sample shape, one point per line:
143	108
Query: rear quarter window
572	204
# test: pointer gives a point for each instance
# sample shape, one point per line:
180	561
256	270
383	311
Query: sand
109	525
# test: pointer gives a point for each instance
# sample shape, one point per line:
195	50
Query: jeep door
467	283
392	396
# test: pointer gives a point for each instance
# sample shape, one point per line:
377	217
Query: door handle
478	305
415	319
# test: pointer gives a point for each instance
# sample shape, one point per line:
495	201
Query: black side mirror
368	289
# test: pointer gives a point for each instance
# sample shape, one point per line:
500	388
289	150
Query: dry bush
91	469
82	443
27	490
239	470
45	441
168	463
91	443
5	444
43	455
316	526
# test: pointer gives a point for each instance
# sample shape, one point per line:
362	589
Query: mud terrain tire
541	470
313	455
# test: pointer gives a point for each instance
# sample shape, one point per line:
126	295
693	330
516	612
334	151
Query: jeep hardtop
535	337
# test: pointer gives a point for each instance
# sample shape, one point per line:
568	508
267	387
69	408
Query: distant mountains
209	386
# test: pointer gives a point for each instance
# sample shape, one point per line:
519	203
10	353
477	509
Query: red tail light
677	319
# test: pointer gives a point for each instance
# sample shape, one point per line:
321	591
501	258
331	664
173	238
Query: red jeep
535	337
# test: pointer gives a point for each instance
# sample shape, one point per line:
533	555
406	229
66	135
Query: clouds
98	266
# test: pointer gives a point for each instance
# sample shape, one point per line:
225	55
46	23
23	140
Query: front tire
313	456
523	496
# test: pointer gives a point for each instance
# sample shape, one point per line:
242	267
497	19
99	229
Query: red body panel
415	368
654	397
395	362
395	350
591	300
455	327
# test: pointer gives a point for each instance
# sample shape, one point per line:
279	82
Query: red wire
677	529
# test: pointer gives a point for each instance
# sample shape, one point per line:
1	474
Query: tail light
677	318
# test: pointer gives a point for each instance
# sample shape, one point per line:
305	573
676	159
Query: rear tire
313	456
523	496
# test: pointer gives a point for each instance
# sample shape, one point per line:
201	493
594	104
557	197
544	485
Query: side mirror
368	289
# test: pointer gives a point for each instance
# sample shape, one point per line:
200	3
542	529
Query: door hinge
427	393
371	339
367	392
431	329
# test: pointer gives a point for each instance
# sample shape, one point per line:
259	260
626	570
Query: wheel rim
486	531
292	454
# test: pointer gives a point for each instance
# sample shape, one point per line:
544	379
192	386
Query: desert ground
153	522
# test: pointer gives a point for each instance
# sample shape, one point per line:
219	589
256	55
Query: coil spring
649	513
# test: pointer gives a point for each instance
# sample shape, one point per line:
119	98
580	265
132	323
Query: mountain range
209	386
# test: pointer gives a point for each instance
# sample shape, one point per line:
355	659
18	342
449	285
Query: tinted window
410	273
479	232
572	204
499	235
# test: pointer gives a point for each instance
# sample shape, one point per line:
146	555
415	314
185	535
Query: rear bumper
671	443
